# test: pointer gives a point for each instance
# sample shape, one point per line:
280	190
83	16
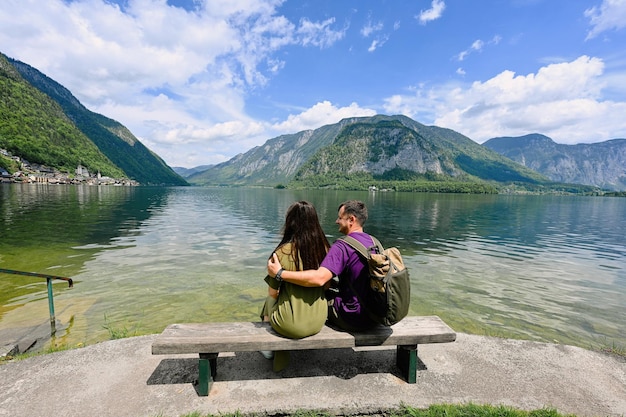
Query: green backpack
388	301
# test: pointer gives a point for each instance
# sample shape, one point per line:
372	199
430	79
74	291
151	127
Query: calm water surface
546	268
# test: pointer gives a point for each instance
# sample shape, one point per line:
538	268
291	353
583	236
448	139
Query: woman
292	310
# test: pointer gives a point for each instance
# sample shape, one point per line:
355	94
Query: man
342	261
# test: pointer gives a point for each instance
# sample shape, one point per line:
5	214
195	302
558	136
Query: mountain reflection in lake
549	268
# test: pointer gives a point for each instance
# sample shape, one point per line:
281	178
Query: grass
439	410
44	351
614	350
610	347
119	332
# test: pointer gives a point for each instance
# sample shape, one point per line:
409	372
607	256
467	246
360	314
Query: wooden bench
209	339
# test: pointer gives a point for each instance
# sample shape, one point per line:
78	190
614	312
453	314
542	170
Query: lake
545	268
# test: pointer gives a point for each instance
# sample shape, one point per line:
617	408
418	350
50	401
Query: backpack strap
356	245
365	255
360	248
379	246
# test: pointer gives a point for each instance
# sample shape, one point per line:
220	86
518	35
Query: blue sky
199	81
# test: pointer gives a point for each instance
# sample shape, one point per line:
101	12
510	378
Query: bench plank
240	337
413	330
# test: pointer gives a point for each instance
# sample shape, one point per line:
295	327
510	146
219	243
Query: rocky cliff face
381	147
599	164
274	162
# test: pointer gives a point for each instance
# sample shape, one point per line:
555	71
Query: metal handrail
49	279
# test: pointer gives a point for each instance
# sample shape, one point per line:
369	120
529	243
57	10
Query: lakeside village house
36	173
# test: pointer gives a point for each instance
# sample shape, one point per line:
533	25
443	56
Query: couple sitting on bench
302	300
300	273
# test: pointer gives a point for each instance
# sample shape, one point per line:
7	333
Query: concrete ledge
122	378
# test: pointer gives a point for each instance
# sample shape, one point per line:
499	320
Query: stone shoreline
122	378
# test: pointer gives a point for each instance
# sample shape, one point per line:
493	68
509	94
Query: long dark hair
303	230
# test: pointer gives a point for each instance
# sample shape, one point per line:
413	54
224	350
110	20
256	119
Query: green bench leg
205	378
406	360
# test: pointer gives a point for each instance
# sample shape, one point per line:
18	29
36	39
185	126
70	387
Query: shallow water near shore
547	268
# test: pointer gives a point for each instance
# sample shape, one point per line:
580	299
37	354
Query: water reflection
81	214
56	229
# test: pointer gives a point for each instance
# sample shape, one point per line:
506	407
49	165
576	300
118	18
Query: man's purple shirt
343	261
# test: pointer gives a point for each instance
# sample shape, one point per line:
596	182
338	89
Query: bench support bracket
208	361
406	360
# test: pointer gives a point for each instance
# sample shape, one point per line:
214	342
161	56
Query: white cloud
370	28
172	76
611	14
320	114
477	46
434	13
377	43
373	45
563	101
319	34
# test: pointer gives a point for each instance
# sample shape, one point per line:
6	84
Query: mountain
273	163
598	164
186	172
43	122
366	150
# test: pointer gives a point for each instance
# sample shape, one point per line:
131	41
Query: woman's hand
273	265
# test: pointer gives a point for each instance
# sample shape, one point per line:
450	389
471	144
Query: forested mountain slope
34	127
43	122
